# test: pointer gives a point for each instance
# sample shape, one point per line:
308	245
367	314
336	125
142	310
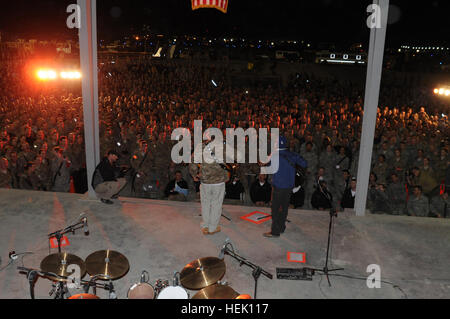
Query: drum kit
66	271
202	274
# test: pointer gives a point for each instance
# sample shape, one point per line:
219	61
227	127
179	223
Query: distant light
214	83
436	91
447	92
46	74
340	61
441	91
70	75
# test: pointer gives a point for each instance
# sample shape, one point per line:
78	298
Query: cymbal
202	272
216	292
108	264
58	264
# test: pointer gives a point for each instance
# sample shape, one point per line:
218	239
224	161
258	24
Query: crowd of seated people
141	102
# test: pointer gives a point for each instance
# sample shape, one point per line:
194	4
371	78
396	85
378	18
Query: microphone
175	279
224	248
85	227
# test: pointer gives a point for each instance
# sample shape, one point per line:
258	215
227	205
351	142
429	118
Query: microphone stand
69	229
257	270
325	270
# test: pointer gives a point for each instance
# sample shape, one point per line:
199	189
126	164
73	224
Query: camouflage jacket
209	173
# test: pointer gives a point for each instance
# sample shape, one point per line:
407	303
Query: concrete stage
162	237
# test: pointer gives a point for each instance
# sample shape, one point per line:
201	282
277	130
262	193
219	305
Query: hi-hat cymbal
58	264
107	264
202	272
216	292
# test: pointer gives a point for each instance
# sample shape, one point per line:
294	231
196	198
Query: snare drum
142	290
84	296
173	292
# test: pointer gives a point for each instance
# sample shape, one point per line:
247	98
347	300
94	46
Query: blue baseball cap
282	143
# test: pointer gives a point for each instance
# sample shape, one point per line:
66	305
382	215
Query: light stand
325	270
257	270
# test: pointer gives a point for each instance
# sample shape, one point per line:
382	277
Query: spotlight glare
436	91
441	91
46	74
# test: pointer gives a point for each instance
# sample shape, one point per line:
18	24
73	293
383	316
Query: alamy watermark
214	151
374	279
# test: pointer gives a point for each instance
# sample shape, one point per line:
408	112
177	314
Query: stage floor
162	237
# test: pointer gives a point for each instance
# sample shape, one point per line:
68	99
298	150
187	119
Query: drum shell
141	290
173	292
84	296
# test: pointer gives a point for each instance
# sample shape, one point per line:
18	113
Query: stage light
447	92
46	75
436	91
70	75
441	91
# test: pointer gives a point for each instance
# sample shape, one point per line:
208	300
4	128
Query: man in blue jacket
283	182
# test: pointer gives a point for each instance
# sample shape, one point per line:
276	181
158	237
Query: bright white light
441	91
70	75
340	61
214	83
46	74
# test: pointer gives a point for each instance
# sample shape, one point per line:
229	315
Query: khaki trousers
211	196
108	189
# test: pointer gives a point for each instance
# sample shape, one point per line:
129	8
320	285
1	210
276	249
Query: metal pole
373	79
88	61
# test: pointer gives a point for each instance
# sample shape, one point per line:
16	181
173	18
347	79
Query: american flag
221	5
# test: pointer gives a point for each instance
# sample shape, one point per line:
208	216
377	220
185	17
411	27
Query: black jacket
234	191
168	191
321	199
107	171
348	201
260	193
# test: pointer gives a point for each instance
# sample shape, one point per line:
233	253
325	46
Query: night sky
340	21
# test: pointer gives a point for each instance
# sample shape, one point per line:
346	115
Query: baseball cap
282	142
